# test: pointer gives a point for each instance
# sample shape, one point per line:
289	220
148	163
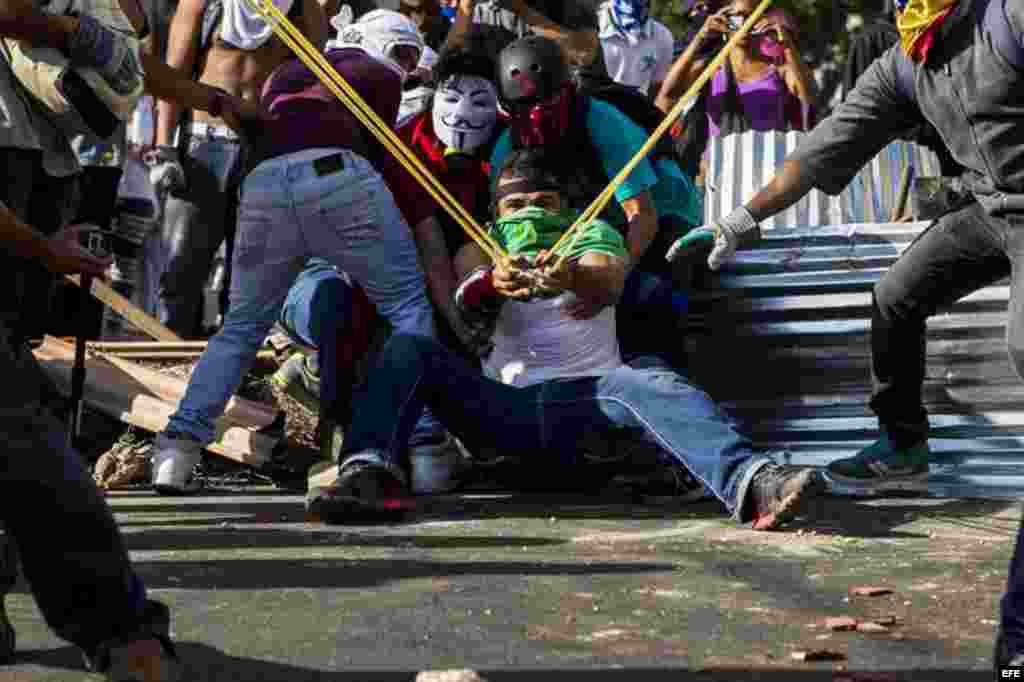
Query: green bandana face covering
532	229
529	230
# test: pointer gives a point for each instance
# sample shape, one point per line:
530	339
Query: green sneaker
880	466
299	381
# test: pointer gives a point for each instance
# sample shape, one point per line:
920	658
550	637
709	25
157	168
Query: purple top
309	115
767	103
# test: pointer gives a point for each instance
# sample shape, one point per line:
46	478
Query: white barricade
739	165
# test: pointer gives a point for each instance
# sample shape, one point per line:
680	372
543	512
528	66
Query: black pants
960	253
28	293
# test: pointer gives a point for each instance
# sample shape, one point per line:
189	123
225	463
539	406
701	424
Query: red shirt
308	115
467	179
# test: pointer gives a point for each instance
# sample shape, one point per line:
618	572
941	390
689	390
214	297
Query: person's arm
314	24
643	225
440	272
663	54
580	45
461	25
617	139
22	20
689	66
795	71
599	278
182	52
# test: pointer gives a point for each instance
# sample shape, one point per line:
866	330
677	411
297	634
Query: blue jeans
547	420
70	548
289	212
194	225
317	308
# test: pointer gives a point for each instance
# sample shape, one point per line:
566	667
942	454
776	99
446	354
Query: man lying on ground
561	378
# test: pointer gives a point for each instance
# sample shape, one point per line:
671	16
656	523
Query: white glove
165	171
729	230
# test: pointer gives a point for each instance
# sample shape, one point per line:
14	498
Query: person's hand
511	277
716	23
466	7
725	232
551	279
243	116
65	254
165	171
694	241
112	54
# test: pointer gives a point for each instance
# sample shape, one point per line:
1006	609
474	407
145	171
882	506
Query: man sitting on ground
552	379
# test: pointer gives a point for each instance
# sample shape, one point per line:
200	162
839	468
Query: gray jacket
971	90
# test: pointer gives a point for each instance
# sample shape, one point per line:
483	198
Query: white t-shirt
538	341
638	60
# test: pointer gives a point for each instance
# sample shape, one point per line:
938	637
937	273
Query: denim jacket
971	89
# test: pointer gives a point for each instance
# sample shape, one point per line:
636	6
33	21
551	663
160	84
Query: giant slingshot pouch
77	100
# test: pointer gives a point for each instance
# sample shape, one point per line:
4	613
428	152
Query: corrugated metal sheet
739	165
788	323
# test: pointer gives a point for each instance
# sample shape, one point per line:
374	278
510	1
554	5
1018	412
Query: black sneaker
368	487
778	493
8	576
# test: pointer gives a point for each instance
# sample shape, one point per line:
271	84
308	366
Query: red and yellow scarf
918	21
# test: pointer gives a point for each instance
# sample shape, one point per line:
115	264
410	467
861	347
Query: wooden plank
232	442
126	309
172	389
131	393
129	346
263	355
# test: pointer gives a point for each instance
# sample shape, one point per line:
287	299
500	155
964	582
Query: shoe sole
175	491
793	504
855	487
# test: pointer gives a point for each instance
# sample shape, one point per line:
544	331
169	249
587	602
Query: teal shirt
617	139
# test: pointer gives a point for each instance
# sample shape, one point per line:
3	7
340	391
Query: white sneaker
174	458
436	467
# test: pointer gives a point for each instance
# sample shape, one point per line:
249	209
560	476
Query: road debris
817	655
869	591
841	624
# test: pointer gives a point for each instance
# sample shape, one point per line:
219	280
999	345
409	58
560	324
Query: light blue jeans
288	213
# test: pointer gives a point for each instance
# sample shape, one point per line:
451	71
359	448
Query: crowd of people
507	352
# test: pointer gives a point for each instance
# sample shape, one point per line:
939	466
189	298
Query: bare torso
239	72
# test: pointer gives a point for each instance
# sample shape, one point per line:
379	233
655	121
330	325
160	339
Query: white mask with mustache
465	111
